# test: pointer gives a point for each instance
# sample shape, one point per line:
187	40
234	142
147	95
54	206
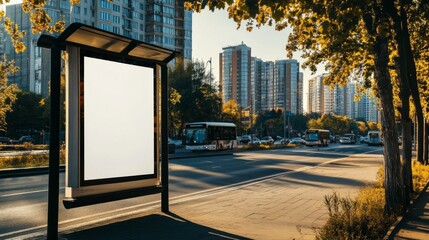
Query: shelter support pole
164	140
54	144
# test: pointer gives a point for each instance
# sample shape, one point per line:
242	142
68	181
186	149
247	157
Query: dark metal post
164	140
54	145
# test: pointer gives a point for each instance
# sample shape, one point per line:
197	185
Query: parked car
177	142
245	139
267	140
22	140
297	141
345	140
281	141
255	141
4	140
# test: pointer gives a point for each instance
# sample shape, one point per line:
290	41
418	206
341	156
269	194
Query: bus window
196	136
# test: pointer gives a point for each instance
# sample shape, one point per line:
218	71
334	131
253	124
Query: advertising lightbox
112	125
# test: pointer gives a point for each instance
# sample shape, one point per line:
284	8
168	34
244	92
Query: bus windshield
312	136
373	135
196	136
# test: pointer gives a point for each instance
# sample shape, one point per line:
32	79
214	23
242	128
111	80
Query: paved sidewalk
289	206
415	225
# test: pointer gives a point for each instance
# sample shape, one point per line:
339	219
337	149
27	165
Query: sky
212	31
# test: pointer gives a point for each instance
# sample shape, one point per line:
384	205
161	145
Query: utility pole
210	61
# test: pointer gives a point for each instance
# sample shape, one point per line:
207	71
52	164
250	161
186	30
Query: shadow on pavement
155	226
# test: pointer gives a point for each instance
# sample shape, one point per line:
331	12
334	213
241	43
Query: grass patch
23	147
28	160
364	216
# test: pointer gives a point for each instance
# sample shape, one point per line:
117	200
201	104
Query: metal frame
121	48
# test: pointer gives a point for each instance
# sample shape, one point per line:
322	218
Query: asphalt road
23	200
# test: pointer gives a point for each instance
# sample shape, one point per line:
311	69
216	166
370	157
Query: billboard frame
121	49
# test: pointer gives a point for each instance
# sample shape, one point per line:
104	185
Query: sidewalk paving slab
289	206
415	224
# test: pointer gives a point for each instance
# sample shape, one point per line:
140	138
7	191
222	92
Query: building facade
287	86
161	22
341	101
235	74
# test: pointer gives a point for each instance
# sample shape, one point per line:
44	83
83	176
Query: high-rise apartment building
255	82
316	91
30	76
260	85
161	22
286	83
267	86
340	100
235	74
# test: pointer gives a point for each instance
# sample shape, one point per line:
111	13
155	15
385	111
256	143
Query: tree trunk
402	69
412	79
426	145
393	181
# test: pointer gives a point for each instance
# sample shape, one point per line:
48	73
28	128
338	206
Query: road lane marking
24	193
173	200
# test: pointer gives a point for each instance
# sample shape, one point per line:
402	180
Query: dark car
23	139
245	139
4	140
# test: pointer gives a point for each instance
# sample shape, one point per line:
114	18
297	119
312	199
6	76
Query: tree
27	115
231	112
362	128
198	100
338	125
352	38
7	92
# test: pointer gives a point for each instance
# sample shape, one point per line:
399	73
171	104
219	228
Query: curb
32	171
22	172
395	227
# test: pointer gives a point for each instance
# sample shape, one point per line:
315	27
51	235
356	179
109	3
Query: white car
267	140
281	141
255	141
345	140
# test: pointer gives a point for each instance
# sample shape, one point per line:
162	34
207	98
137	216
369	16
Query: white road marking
173	200
24	193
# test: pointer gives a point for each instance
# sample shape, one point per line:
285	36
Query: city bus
317	137
352	136
374	138
210	136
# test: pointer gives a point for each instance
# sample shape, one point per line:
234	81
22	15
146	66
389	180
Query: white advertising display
118	120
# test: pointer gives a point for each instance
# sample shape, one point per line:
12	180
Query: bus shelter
116	118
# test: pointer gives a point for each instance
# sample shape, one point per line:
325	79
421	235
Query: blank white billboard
118	120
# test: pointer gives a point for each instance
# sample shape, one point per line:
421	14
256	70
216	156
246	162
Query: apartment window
65	4
116	19
116	8
104	4
105	16
116	30
76	9
85	11
104	26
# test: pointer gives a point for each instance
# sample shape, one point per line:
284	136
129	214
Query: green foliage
191	98
7	92
338	125
360	218
27	114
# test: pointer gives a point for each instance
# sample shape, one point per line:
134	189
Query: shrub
359	218
364	217
420	175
